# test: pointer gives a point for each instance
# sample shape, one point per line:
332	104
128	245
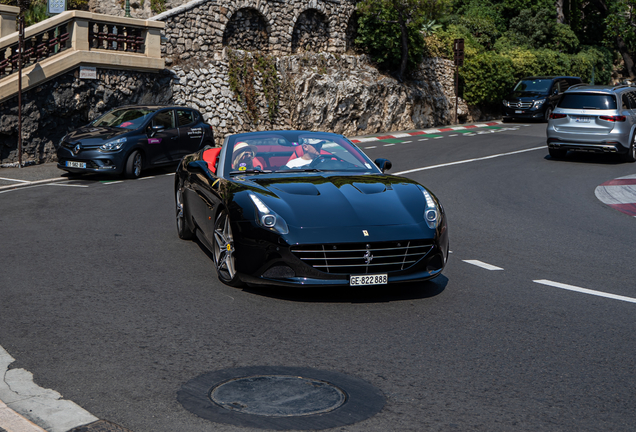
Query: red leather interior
211	156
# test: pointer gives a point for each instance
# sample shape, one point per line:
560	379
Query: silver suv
593	118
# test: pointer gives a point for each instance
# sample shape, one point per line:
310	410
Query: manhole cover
278	396
281	398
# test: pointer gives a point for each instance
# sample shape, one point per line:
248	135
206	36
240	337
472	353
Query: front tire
133	165
224	251
184	232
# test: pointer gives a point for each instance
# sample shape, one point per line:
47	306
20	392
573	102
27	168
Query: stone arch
311	32
351	33
247	29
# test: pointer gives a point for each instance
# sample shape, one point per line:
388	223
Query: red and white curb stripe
424	132
619	193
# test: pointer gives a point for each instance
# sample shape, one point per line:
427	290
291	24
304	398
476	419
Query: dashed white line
370	147
482	265
15	180
65	184
585	290
389	145
469	160
114	182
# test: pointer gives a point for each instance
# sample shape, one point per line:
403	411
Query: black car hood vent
297	188
370	188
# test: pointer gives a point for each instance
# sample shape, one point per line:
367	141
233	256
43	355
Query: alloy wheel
224	248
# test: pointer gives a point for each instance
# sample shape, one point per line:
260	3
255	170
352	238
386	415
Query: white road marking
144	178
468	160
389	145
170	174
64	184
454	135
585	290
15	180
370	147
114	182
439	137
482	265
423	139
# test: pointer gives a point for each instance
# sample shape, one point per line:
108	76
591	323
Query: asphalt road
103	303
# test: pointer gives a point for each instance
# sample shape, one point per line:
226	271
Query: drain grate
281	398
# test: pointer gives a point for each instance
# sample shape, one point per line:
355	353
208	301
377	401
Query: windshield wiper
251	171
297	170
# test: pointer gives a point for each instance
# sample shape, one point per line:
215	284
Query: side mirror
555	92
198	166
383	164
155	129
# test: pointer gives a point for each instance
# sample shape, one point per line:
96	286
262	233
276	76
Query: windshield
129	118
588	101
533	86
294	152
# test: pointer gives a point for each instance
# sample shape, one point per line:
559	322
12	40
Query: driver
310	153
243	156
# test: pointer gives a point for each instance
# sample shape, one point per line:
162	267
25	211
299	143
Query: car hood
325	200
91	135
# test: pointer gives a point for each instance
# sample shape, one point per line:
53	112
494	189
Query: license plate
518	111
73	164
376	279
583	119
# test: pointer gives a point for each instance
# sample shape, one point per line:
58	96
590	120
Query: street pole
20	50
127	14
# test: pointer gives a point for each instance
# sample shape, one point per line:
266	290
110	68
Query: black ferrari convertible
295	208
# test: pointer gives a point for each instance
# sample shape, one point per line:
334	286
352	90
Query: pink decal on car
154	140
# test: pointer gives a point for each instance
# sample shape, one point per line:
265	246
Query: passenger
243	156
310	153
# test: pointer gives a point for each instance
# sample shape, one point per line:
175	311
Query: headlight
431	213
113	145
538	103
267	218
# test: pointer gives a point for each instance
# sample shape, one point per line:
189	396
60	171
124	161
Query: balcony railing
75	38
35	48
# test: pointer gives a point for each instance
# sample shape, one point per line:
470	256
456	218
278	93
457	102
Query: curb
424	132
11	421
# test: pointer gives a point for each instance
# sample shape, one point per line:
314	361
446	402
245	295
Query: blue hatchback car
129	139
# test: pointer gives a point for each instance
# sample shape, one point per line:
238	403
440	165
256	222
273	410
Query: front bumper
273	262
528	113
91	161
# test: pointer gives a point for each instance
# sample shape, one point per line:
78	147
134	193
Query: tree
404	15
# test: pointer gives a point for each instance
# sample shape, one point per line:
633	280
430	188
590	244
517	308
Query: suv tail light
615	118
557	116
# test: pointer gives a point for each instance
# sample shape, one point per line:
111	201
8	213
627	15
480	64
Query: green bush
487	78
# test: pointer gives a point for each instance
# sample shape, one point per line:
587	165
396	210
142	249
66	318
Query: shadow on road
588	158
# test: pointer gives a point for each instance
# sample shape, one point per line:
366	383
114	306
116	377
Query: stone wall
202	28
338	93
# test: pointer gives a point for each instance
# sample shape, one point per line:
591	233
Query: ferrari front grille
363	258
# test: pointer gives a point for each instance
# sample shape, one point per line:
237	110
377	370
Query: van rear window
587	101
